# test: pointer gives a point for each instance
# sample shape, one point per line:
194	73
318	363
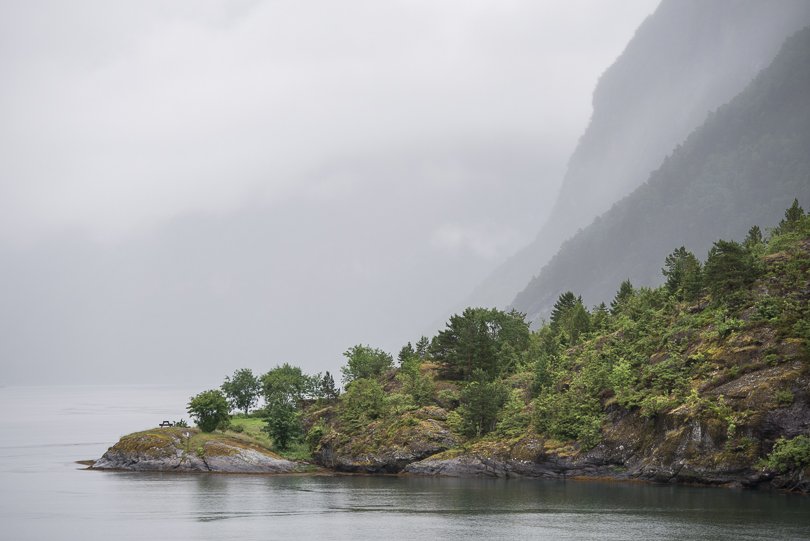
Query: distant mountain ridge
747	161
686	59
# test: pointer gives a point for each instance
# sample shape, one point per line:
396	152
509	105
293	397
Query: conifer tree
683	273
729	267
422	346
792	216
625	292
565	302
754	237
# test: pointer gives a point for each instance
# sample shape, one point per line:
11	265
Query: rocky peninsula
189	450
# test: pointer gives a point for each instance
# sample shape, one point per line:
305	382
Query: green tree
570	317
626	291
286	384
210	410
365	362
419	386
326	387
481	401
754	237
793	216
729	267
600	317
476	339
565	303
406	354
283	424
363	400
683	273
242	390
544	348
409	361
422	346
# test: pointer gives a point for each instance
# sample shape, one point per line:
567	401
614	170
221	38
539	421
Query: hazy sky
199	186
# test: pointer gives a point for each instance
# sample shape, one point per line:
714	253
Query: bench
165	423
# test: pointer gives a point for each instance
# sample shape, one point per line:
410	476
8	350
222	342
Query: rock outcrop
188	450
387	447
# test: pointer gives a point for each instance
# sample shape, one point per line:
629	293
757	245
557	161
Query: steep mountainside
746	162
685	60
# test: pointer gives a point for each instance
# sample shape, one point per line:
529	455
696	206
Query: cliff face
189	450
741	167
687	59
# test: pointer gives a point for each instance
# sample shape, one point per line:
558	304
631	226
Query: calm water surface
45	495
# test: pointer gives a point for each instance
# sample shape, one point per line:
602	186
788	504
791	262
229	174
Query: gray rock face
171	450
674	449
476	465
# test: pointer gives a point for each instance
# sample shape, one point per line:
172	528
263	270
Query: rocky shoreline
185	451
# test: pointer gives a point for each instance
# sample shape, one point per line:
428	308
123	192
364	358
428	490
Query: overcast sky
370	158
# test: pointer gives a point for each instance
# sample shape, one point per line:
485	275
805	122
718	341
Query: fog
187	188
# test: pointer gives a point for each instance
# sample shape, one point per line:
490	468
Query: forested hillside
703	379
747	161
685	60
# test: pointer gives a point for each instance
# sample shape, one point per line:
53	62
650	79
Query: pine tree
625	292
729	267
599	317
327	388
406	354
754	237
683	273
422	346
792	217
565	302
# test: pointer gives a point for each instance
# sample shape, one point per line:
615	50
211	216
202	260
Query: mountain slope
686	59
748	161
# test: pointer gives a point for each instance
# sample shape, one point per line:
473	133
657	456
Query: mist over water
47	495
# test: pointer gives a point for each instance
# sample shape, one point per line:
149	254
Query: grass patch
252	430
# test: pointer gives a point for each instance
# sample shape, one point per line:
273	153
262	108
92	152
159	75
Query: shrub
513	420
448	399
419	387
569	416
784	397
363	400
792	454
314	436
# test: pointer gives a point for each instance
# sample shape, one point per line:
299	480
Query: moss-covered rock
387	445
187	449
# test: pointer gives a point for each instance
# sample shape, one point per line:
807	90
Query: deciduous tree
242	390
209	409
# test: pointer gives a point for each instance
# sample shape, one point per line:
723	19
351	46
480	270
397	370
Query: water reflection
45	495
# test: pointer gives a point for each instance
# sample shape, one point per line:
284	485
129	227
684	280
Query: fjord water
44	494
